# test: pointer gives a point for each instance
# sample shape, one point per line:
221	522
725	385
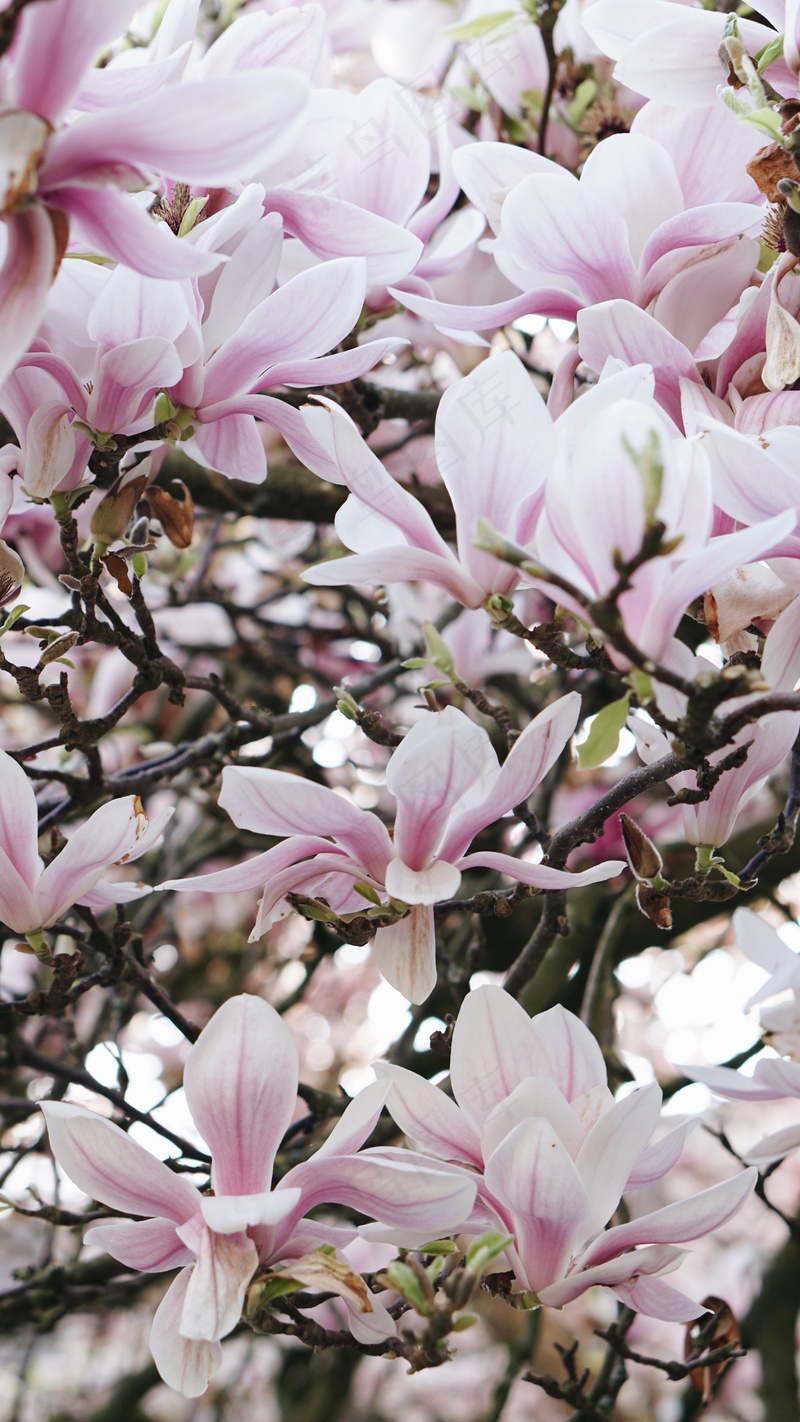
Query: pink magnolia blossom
774	1078
241	1086
711	823
669	50
32	896
685	265
534	1115
59	178
447	785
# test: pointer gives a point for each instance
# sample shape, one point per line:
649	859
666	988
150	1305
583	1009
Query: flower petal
108	1166
149	1245
185	1364
241	1085
429	1117
495	1047
217	1285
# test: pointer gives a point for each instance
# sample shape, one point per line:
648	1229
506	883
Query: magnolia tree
399	496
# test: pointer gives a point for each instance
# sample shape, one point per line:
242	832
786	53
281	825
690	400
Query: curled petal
185	1364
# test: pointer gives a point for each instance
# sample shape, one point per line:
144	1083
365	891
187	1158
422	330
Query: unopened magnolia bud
59	648
655	906
12	571
116	509
643	857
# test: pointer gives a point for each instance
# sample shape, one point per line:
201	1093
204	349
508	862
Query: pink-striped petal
150	1245
495	1046
429	1117
112	224
217	1285
54	45
241	1085
108	1166
108	837
19	820
30	264
678	1223
184	1363
541	876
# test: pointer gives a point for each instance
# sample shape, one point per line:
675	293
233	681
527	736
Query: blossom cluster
463	348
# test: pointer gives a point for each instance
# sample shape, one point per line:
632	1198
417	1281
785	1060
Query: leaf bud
117	507
643	857
655	906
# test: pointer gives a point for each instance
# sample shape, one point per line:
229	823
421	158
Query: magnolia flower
58	178
241	1086
448	786
769	740
534	1116
33	897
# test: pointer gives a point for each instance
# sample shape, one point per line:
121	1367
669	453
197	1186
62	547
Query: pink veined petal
654	1163
19	909
541	876
429	1117
54	46
128	377
709	281
232	446
659	1300
185	1364
329	876
662	65
108	837
276	802
253	873
578	1063
357	1123
291	424
293	38
532	1175
123	84
432	885
25	278
396	1187
535	1096
611	1149
217	1285
241	1085
398	565
332	228
545	219
19	821
486	426
50	448
111	223
678	1223
300	320
108	1166
364	475
541	301
529	760
652	1259
235	1214
384	164
405	953
636	176
209	132
149	1245
495	1047
442	759
336	368
620	329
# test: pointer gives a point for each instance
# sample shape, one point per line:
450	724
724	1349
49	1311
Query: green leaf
470	98
642	685
367	892
769	54
15	612
406	1282
467	1320
486	1248
768	121
439	653
730	876
603	739
483	25
438	1246
584	97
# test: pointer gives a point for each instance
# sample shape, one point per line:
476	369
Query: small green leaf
367	892
12	617
415	663
467	1320
603	739
438	1246
191	215
642	686
406	1282
584	97
483	25
486	1248
769	54
439	653
730	876
470	98
768	121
